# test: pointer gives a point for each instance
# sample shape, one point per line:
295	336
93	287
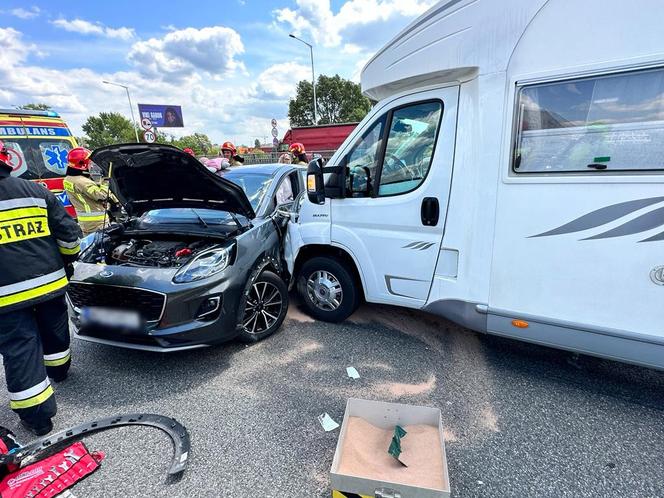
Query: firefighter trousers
34	344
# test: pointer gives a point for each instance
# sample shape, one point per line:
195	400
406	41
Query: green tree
338	101
108	128
257	144
35	107
199	142
300	109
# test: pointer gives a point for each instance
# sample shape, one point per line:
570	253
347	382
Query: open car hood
145	177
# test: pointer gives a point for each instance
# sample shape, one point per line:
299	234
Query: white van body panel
601	285
455	40
494	265
392	226
316	231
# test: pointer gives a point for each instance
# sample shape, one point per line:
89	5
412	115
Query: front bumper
177	326
119	344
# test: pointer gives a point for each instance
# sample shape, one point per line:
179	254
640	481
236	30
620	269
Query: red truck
321	139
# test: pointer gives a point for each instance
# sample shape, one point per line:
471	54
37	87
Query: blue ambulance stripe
44	131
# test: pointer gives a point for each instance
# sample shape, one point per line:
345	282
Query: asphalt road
521	420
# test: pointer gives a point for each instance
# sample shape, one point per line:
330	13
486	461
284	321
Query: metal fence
273	157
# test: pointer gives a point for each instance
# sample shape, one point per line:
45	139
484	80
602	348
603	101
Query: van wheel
264	307
328	289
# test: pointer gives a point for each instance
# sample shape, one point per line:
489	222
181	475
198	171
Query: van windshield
37	158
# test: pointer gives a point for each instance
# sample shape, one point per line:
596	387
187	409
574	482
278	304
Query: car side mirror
315	182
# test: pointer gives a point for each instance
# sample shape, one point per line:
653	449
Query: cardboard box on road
386	416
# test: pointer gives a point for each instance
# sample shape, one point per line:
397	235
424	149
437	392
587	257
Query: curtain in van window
616	121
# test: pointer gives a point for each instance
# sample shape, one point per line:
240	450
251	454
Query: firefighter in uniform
38	243
87	197
229	152
298	152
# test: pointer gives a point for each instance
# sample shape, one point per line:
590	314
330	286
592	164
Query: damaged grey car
198	259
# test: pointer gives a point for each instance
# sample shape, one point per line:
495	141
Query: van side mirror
360	181
315	182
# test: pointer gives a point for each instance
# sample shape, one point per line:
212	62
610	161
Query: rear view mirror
315	185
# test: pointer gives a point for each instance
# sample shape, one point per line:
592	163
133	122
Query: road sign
146	124
275	141
273	123
275	132
149	136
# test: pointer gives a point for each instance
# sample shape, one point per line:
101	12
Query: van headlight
204	265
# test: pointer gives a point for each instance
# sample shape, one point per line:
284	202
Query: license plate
109	317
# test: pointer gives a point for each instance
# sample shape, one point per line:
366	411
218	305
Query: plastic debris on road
352	373
327	422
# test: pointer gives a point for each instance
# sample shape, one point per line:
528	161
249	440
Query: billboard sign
162	116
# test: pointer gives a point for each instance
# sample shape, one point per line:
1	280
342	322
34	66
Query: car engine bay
155	252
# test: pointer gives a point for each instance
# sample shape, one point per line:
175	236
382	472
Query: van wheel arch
328	283
314	250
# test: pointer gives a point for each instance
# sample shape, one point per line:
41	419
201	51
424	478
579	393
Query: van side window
362	161
598	125
409	148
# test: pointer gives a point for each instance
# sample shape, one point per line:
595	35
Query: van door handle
430	211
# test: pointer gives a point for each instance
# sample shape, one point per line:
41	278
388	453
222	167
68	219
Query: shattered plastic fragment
327	422
352	373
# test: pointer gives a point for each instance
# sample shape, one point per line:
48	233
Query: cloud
84	27
351	48
179	53
24	14
280	80
358	22
14	50
221	108
121	33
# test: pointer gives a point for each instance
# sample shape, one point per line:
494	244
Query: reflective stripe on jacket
37	237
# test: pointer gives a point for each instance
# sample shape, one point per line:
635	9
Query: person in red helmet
4	154
298	152
87	197
189	151
39	242
229	152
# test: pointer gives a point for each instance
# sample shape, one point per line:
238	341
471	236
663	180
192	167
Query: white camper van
510	178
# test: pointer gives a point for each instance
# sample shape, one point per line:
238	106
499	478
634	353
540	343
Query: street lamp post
131	108
313	75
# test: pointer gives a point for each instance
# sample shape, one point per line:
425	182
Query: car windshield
179	216
255	185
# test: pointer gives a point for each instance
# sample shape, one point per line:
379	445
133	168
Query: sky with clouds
230	65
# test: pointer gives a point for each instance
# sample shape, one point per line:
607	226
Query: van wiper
200	218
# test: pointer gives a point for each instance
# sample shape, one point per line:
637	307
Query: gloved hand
69	270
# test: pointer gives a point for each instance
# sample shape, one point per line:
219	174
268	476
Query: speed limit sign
149	136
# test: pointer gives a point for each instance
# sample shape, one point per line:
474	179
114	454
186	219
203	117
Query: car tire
258	315
328	290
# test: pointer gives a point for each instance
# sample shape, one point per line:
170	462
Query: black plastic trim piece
40	448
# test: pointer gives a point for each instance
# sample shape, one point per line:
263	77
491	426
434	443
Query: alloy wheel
263	308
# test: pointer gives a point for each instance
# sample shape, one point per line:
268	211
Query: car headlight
204	265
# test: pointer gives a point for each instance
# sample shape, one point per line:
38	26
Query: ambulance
38	143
